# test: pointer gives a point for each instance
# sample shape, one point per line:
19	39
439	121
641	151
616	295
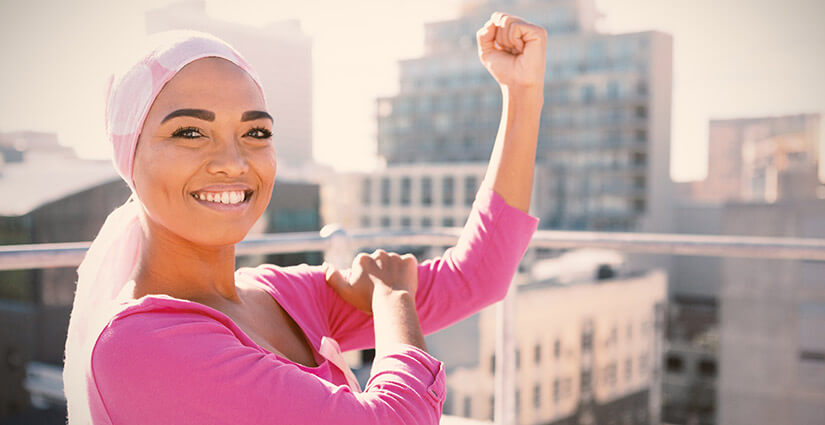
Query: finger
378	253
505	23
502	40
486	37
335	279
514	34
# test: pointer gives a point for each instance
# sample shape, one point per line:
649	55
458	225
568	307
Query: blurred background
677	117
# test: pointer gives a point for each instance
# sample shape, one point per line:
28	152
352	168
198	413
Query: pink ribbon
332	352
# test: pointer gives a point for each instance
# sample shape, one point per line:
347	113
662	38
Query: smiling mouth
229	197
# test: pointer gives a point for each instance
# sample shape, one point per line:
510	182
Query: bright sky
732	58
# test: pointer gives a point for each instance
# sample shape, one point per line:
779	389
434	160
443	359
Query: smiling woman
164	329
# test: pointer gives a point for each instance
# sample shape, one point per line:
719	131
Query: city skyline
738	59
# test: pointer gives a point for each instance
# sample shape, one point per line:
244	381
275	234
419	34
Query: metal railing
336	241
339	247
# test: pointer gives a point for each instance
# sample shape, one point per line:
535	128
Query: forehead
210	82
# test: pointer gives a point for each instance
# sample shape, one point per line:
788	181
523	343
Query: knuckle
363	258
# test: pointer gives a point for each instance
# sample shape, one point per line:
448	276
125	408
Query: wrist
385	296
529	94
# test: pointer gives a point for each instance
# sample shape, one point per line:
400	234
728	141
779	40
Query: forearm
510	172
396	321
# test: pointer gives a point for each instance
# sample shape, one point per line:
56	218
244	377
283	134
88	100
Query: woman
165	330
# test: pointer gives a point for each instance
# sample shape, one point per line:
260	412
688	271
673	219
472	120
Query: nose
228	158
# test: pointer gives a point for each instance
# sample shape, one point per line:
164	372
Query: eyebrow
205	115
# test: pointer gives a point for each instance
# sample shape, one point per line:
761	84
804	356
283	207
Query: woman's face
204	162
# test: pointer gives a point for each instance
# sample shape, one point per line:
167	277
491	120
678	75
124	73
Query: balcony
339	246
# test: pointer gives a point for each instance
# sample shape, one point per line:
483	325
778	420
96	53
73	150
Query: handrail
70	254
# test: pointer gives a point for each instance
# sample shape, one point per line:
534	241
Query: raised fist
513	50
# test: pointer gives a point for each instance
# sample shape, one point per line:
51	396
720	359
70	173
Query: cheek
160	176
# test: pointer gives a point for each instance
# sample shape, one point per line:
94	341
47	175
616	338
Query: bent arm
197	371
469	276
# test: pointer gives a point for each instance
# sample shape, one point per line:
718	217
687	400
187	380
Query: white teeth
233	197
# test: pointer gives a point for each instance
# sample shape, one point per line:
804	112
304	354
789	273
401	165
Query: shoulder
290	279
157	326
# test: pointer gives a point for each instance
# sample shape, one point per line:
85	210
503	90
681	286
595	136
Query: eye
260	133
187	133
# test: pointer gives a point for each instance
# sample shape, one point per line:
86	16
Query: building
588	348
410	196
772	321
288	89
745	155
605	133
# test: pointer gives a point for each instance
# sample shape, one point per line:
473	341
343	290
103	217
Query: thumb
335	279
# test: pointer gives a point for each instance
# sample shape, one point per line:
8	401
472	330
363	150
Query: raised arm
517	63
478	270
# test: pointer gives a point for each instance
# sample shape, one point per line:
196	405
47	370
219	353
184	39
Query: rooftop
41	179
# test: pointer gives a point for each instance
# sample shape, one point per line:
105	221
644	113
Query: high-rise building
280	52
745	156
605	133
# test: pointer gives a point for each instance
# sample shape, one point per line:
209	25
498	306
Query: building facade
586	352
411	196
746	154
605	131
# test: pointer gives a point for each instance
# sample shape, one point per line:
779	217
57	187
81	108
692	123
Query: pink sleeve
473	274
187	368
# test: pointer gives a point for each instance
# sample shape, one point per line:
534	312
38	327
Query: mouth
227	200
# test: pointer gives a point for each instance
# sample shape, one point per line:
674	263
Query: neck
172	265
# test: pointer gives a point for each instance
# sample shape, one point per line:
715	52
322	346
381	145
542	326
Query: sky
732	58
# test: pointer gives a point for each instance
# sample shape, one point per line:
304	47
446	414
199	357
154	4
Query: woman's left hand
513	51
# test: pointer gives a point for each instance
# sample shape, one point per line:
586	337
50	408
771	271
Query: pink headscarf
113	254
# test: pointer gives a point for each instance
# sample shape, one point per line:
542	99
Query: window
426	222
537	396
406	188
493	364
612	90
518	358
588	93
365	221
587	341
556	390
628	369
641	136
674	364
447	190
469	190
385	222
707	368
366	191
467	407
385	191
587	380
447	222
426	191
492	406
406	222
557	348
537	354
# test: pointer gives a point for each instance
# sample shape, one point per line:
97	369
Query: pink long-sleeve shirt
163	360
